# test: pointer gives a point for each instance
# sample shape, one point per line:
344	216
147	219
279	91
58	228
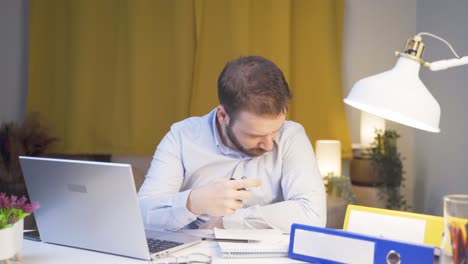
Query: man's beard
253	152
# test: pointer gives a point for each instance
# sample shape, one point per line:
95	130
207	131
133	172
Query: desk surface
44	253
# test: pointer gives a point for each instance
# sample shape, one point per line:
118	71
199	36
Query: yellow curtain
111	76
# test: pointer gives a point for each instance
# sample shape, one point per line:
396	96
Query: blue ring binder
325	245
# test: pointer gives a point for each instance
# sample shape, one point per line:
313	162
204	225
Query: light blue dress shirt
193	154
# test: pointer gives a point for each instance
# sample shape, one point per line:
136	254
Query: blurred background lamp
328	154
369	124
399	94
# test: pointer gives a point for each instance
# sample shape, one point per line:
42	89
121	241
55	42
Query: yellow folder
433	226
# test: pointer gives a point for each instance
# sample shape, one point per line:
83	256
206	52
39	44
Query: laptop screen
85	204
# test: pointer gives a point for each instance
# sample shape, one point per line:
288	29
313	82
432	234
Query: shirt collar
219	142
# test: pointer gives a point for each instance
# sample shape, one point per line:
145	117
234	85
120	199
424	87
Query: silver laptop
93	205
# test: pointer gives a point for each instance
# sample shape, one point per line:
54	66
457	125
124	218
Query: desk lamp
399	94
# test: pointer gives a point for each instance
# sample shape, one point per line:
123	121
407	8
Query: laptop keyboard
156	245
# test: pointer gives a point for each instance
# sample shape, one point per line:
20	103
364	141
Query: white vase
11	240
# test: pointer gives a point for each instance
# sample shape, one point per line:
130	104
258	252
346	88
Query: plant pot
11	241
363	172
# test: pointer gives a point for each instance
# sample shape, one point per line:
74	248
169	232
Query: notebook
274	244
94	206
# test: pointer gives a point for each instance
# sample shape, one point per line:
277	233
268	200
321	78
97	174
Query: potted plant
12	213
29	139
340	186
387	163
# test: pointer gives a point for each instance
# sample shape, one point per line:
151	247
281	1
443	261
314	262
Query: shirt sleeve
163	206
302	187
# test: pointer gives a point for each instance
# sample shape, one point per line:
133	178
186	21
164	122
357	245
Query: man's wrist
190	205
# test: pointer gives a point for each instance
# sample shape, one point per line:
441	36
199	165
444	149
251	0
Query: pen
231	240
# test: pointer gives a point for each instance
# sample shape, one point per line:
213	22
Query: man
240	166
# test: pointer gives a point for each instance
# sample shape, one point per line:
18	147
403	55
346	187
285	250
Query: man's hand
220	197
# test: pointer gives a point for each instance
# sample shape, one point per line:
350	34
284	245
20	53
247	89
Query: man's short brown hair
253	84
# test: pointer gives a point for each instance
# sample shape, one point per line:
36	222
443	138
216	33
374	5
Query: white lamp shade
328	157
370	123
398	95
